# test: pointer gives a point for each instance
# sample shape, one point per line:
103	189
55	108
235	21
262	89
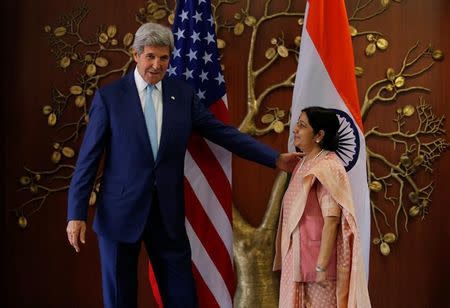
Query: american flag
208	195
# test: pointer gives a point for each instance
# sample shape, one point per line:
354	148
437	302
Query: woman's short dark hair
324	119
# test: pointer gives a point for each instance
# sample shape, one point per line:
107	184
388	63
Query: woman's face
304	137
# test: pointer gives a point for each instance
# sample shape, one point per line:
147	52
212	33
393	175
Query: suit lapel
168	99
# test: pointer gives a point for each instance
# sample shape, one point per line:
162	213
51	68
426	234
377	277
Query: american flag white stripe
209	202
208	270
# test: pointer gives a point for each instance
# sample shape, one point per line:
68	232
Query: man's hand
76	229
288	161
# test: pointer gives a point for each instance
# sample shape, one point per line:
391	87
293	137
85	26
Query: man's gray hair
152	34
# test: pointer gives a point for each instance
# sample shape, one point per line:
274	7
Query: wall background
38	267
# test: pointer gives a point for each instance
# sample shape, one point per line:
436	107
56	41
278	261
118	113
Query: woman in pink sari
317	246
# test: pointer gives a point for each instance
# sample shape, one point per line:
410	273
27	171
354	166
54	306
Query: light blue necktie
150	119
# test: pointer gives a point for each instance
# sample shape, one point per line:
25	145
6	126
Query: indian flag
326	78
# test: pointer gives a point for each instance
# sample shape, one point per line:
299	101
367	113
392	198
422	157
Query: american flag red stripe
207	234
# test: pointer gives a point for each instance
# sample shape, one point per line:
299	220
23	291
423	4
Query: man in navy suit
142	192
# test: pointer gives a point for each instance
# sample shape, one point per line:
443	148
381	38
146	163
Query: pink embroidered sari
315	190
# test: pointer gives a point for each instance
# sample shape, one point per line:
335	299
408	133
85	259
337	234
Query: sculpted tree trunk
257	284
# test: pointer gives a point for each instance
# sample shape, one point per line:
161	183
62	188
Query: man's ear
135	55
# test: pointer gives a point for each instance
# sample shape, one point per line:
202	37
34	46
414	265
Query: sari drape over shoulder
351	283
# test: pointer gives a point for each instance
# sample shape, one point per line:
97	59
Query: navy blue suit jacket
117	129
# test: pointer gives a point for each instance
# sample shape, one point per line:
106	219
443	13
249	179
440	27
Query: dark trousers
170	258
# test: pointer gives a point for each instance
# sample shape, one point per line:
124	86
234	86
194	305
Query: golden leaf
390	73
159	14
88	58
267	118
408	110
359	71
273	41
51	119
56	145
221	44
68	152
111	31
171	19
389	87
103	38
414	211
300	21
74	56
280	113
270	53
375	186
76	90
237	16
405	160
47	28
80	101
382	44
56	157
93	198
389	238
438	55
370	37
376	241
25	180
64	62
128	39
91	69
22	221
297	41
282	51
370	49
250	21
418	160
60	31
238	28
114	42
353	31
413	197
47	109
86	118
278	127
385	249
385	3
97	187
151	7
399	81
34	188
101	62
37	176
89	92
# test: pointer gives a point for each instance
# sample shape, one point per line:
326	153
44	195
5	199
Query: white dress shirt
141	84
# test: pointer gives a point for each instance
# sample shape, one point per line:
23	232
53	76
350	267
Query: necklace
303	160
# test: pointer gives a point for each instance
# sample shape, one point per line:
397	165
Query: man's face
152	63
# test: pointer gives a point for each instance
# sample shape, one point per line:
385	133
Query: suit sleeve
91	151
230	138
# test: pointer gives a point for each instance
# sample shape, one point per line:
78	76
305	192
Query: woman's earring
317	141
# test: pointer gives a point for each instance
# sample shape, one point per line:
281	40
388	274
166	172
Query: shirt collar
141	84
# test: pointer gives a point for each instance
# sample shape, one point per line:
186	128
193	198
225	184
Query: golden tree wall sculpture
107	53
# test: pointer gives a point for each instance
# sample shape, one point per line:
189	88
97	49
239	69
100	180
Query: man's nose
156	63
